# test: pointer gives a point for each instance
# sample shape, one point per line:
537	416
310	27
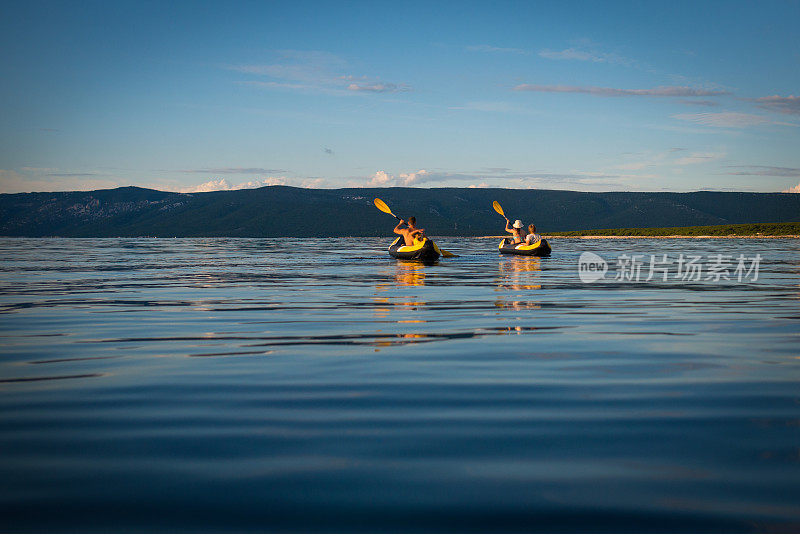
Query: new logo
591	267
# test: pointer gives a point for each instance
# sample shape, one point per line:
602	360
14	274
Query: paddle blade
381	205
498	208
446	254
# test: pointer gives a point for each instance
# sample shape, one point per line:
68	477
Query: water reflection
517	304
410	274
518	273
328	377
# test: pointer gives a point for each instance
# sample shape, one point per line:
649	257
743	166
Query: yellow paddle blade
444	253
381	205
498	208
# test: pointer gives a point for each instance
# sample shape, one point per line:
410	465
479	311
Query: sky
585	96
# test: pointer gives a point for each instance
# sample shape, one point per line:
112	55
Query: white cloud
414	178
795	189
212	185
729	119
223	185
408	179
481	185
663	91
380	179
312	183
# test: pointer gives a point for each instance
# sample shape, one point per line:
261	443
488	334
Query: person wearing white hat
516	230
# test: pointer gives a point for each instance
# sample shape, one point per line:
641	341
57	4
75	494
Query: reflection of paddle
381	205
445	253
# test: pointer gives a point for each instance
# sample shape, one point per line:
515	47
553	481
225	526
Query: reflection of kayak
421	250
540	248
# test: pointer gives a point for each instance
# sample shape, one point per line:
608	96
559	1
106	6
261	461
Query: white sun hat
517	224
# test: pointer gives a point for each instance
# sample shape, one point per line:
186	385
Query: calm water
304	385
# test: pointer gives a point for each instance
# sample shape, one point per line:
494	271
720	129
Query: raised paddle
381	205
499	209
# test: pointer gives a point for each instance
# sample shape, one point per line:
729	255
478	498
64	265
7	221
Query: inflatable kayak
540	248
422	250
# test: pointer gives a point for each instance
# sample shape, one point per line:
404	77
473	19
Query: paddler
516	231
410	232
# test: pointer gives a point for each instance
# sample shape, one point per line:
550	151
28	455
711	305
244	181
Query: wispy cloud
314	71
497	49
278	85
706	103
663	91
781	104
699	157
49	171
667	159
488	106
586	54
378	88
729	119
764	170
234	170
795	189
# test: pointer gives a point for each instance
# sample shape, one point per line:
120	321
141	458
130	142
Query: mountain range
282	211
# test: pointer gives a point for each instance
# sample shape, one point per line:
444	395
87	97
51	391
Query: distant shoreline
782	230
788	236
676	236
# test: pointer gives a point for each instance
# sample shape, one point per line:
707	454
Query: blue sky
588	96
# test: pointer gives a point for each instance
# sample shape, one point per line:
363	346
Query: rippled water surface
304	385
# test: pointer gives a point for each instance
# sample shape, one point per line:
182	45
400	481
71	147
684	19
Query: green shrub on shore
766	229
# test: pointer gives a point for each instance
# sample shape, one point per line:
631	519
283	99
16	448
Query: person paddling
516	231
410	232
